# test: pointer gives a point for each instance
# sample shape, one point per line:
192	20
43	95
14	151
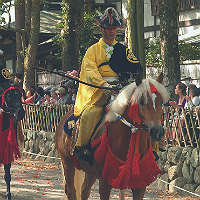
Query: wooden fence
182	126
44	118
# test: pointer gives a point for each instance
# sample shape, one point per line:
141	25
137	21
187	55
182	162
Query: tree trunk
19	23
30	59
28	4
2	62
136	29
169	16
71	43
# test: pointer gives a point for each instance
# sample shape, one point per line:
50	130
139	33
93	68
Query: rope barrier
41	155
179	188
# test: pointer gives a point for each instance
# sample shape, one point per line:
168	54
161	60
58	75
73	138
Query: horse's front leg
138	194
104	190
7	178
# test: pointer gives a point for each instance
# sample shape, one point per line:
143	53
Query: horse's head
144	108
10	101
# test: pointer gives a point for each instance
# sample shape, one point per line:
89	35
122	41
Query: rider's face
109	33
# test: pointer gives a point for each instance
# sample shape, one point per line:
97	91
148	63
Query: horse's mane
132	94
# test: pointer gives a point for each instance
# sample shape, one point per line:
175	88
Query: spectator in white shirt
193	96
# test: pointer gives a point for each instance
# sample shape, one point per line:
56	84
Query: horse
123	155
11	111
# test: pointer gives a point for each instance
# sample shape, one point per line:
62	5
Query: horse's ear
138	79
160	77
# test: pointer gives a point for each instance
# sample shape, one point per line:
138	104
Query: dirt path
36	180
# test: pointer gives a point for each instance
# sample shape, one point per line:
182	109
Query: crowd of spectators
187	96
63	93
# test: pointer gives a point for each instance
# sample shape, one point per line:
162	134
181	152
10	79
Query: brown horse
123	156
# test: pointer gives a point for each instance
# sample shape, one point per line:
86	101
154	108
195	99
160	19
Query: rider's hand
107	85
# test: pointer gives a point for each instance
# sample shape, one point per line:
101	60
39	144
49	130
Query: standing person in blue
97	69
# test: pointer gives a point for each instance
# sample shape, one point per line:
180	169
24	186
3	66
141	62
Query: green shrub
186	51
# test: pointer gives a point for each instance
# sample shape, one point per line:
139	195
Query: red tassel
100	153
133	173
135	165
9	150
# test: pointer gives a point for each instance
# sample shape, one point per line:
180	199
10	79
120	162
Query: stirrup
155	156
84	153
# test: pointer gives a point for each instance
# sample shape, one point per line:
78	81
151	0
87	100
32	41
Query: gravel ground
37	180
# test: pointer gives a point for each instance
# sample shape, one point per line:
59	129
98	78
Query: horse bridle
134	127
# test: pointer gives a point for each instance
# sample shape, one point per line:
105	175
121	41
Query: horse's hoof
8	196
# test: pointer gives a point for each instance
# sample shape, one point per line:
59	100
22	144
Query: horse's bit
133	128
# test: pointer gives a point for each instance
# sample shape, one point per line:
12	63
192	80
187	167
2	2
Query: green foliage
2	11
186	52
189	51
87	32
153	53
65	10
87	36
5	7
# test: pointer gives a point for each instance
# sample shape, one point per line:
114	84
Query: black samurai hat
123	60
109	18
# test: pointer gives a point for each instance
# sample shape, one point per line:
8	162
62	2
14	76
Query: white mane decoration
121	101
132	94
144	88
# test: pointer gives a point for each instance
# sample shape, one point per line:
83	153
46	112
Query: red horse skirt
135	172
9	150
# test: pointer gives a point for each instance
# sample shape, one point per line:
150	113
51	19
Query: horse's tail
78	182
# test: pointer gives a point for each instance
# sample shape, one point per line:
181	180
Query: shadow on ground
37	180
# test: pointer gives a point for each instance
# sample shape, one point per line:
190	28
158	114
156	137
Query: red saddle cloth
135	172
9	150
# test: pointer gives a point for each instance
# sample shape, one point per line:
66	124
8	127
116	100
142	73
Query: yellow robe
87	96
90	73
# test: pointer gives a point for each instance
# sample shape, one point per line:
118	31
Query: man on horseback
90	101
